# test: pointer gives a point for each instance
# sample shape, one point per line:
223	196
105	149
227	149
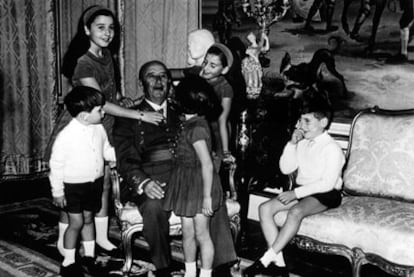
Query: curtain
154	29
27	85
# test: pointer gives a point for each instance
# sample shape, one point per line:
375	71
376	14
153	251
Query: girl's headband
226	51
91	11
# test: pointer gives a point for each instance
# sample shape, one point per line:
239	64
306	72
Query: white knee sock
190	269
101	226
89	248
61	233
268	257
69	255
205	272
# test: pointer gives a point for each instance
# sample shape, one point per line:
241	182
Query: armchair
130	220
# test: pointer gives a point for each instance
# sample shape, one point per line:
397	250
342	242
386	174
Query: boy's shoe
72	270
91	267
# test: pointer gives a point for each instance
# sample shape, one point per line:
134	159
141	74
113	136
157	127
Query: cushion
380	226
381	157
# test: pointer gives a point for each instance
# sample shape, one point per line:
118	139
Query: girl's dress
90	66
184	193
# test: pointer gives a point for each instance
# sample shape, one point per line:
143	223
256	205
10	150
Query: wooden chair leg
127	248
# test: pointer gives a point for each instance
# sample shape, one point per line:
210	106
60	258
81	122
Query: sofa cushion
379	226
381	157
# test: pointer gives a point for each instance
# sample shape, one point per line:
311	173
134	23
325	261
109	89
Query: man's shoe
72	270
258	268
91	267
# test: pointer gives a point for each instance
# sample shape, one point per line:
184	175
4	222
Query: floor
252	244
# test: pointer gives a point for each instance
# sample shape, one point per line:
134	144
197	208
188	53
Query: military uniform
146	152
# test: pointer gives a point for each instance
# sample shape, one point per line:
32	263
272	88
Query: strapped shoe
91	267
72	270
258	268
114	253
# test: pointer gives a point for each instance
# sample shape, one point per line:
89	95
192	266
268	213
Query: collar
321	137
157	107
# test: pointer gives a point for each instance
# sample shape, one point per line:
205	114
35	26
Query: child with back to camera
194	192
76	174
89	62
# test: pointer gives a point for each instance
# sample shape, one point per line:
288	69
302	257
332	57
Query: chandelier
266	12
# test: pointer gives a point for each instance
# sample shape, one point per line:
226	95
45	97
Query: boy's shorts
331	199
83	196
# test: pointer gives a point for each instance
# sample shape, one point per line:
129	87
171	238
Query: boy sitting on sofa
318	160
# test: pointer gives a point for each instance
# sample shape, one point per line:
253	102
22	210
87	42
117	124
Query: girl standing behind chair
217	63
194	191
89	62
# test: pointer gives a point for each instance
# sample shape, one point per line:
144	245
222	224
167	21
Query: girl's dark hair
80	43
218	52
83	99
193	95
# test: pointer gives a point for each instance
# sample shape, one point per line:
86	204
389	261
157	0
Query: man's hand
154	190
59	201
297	136
286	197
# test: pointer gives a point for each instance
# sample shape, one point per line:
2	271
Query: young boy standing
318	160
76	173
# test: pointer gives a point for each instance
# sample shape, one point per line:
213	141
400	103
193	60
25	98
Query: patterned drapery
29	60
154	29
27	85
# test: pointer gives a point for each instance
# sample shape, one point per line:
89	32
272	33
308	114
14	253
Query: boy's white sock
69	255
190	269
89	248
205	272
101	227
268	257
280	261
61	234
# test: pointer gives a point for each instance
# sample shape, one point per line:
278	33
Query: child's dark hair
83	99
223	52
319	106
193	95
80	43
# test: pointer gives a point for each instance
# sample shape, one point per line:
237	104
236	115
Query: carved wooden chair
130	220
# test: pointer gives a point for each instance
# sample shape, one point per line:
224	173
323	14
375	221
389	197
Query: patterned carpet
28	237
19	261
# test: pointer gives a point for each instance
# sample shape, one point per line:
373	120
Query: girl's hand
59	201
286	197
151	117
207	206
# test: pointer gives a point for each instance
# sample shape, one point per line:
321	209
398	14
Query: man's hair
318	105
145	66
83	99
193	95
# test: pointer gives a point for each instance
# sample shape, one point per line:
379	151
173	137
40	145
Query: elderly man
145	154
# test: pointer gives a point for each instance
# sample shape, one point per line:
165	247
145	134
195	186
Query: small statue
251	67
199	41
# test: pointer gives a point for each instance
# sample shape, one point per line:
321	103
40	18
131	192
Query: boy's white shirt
319	161
78	155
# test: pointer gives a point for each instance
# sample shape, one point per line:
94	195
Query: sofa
375	222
